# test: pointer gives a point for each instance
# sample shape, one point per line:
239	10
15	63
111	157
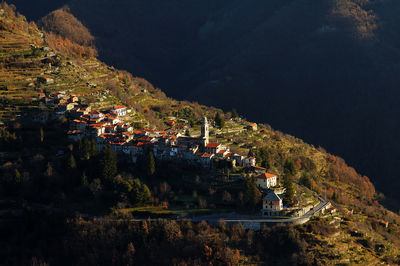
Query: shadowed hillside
323	70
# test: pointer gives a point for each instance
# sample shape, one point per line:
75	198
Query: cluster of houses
108	128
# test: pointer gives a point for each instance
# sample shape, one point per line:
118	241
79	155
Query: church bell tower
205	131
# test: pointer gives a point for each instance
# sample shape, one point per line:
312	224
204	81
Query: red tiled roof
212	145
138	132
117	107
266	176
207	155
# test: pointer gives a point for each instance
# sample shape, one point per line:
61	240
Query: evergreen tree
93	149
263	158
108	165
252	194
219	120
289	189
289	167
145	193
305	180
85	148
71	162
151	164
140	193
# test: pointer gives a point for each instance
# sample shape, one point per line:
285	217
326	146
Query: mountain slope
358	239
337	59
326	70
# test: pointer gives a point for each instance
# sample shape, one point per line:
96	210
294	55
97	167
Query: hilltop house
252	126
266	180
272	204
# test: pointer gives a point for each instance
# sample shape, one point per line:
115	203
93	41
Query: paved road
235	218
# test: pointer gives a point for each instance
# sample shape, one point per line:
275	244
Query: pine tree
305	180
85	148
151	164
263	157
145	193
290	167
108	165
140	193
219	120
251	194
93	149
289	189
71	162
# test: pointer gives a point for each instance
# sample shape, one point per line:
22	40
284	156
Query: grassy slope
330	174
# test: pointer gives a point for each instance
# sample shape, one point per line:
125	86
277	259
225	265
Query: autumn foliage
63	23
69	48
340	171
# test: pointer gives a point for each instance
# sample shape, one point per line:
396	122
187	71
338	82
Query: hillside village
108	128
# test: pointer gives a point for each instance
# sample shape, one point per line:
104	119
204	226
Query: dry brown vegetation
69	48
63	23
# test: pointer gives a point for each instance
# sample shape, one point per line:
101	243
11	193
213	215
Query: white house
272	204
266	180
119	110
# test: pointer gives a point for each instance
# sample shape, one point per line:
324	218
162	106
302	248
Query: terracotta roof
117	107
206	155
212	145
266	176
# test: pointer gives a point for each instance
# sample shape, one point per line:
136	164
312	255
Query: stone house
272	204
